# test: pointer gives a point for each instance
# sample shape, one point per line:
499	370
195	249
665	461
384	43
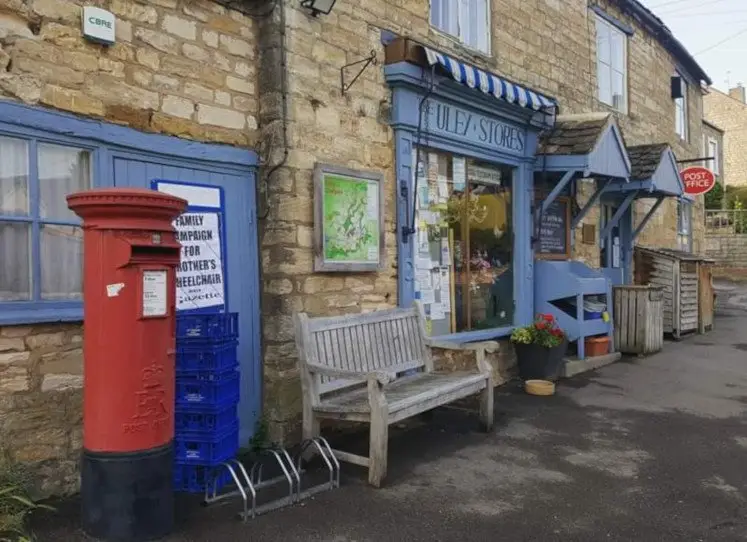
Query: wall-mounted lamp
318	6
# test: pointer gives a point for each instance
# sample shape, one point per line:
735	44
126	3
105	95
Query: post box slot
154	254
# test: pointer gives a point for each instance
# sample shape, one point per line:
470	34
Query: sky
713	31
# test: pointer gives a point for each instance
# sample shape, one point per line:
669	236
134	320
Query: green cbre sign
98	25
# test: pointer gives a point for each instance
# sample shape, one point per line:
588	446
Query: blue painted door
242	277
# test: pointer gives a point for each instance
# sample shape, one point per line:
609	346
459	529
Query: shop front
465	155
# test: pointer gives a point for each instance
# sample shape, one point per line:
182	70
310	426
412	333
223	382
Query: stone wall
41	384
728	250
730	114
179	67
547	45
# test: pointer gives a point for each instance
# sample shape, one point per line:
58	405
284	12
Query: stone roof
644	159
574	134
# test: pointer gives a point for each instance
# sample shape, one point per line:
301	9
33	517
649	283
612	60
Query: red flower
548	317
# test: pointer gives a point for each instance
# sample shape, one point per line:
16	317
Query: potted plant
540	348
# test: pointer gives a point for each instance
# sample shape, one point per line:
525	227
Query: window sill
39	314
475	336
461	47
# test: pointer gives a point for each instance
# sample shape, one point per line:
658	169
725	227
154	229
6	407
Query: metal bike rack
247	484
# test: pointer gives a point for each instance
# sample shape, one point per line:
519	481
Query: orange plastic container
597	346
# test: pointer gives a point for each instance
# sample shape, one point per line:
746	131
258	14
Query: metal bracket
371	59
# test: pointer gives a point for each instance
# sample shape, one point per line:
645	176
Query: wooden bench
377	368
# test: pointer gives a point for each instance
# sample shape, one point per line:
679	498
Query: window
713	153
612	65
464	249
466	20
684	225
41	244
680	114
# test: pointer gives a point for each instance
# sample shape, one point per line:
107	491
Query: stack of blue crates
207	397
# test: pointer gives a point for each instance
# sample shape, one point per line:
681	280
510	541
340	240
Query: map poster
348	220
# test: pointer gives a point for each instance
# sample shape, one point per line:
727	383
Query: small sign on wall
98	25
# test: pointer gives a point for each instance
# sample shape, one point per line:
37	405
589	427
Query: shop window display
464	249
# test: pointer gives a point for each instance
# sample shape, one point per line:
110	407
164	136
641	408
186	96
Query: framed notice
201	275
348	219
554	233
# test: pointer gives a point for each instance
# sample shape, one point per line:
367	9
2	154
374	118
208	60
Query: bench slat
407	392
334	322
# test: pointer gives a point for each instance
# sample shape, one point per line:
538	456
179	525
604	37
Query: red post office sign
697	180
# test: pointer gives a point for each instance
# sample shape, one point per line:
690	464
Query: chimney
738	93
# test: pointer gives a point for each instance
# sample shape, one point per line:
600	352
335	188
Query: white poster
199	277
154	293
445	289
437	311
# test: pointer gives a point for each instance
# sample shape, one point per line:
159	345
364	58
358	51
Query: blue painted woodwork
67	127
589	205
242	262
125	157
563	280
614	21
665	181
608	158
469	123
624	223
621	210
648	217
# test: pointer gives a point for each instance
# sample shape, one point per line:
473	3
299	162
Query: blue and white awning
489	83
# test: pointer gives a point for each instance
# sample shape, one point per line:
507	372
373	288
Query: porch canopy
582	146
654	175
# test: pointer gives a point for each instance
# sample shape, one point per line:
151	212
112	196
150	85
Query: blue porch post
523	191
405	197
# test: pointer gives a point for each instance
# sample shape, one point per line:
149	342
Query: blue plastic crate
201	420
207	450
222	326
216	390
194	478
212	358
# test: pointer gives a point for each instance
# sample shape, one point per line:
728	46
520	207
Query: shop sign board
697	180
473	127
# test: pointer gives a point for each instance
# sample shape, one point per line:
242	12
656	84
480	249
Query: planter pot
539	363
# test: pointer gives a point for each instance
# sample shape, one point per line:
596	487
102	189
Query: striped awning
489	83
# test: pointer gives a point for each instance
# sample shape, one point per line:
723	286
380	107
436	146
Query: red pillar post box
130	255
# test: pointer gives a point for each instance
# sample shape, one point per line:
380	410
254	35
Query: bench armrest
479	349
382	377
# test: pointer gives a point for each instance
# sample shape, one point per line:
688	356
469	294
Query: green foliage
15	503
261	438
715	198
544	332
736	195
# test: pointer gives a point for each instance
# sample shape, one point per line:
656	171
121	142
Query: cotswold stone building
247	97
729	112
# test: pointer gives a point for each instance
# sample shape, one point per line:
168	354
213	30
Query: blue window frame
41	240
